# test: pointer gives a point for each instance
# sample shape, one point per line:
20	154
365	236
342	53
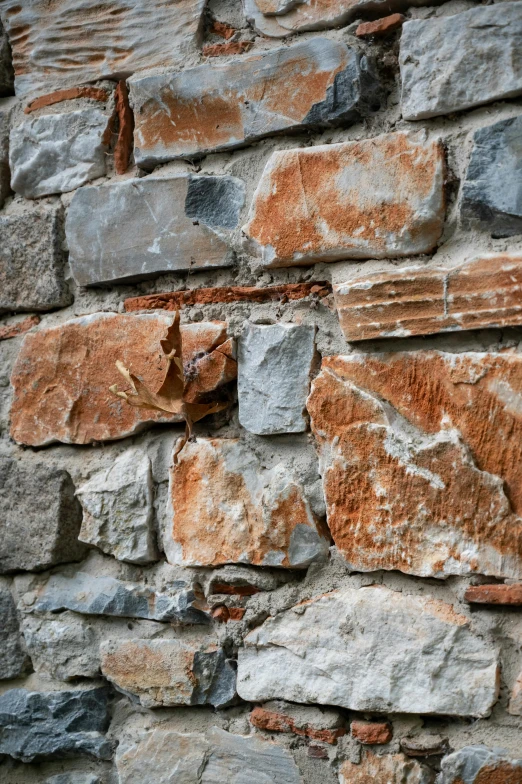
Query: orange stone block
380	27
371	732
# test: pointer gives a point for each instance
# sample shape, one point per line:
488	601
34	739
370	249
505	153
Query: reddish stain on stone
371	732
227	49
96	93
280	722
13	330
381	27
494	594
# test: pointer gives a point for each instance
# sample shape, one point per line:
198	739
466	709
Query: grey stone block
13	658
480	765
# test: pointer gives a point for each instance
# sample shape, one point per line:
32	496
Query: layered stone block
422	447
457	62
391	768
171	223
13	658
376	198
484	292
62	375
480	765
217	107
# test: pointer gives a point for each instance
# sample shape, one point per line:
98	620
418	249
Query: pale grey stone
32	261
454	63
371	649
139	228
118	509
164	756
74	778
13	658
492	190
465	766
41	517
274	367
6	66
56	153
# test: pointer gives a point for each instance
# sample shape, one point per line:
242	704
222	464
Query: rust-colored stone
227	49
13	330
222	29
125	141
280	722
224	614
391	768
371	732
62	375
235	590
495	594
176	300
96	93
380	27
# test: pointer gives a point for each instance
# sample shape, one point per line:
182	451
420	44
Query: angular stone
380	27
118	509
274	369
480	765
313	83
371	649
376	198
515	702
371	732
168	227
40	517
456	62
85	593
163	673
227	507
483	292
6	66
13	658
495	594
56	153
423	447
391	768
425	745
278	716
32	262
491	193
61	390
54	725
164	756
147	33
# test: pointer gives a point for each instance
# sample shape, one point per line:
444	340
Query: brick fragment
224	614
13	330
234	590
125	140
225	50
371	732
274	721
380	27
94	93
222	29
495	594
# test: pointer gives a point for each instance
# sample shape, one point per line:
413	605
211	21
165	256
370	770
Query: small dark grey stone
215	201
13	658
216	677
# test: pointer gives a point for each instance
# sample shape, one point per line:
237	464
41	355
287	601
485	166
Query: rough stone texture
425	745
380	27
118	509
371	649
56	153
274	369
6	108
13	658
314	723
92	595
163	673
13	330
457	62
6	67
371	732
47	725
32	259
227	507
96	41
422	447
324	203
74	778
61	389
491	193
515	702
495	594
484	292
313	83
390	769
226	49
40	517
480	765
164	756
171	223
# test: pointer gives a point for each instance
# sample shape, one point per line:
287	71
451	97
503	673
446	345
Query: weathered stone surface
32	260
13	658
279	716
371	649
6	108
495	594
457	62
118	509
56	153
227	49
47	725
491	194
484	292
62	375
164	756
313	83
227	507
96	41
92	595
171	223
371	732
274	369
380	27
375	198
423	447
515	702
425	745
40	517
391	768
13	330
74	778
6	66
169	672
480	765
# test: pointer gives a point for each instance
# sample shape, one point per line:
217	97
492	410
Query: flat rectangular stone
498	594
217	107
61	392
376	198
372	650
94	41
484	292
457	62
138	228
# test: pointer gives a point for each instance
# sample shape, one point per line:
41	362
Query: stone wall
324	584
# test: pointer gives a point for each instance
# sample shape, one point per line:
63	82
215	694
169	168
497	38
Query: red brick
222	29
495	594
371	732
224	614
13	330
96	93
381	27
280	722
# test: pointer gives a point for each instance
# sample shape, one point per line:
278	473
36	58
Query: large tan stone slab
421	460
62	375
94	40
389	769
375	198
484	292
